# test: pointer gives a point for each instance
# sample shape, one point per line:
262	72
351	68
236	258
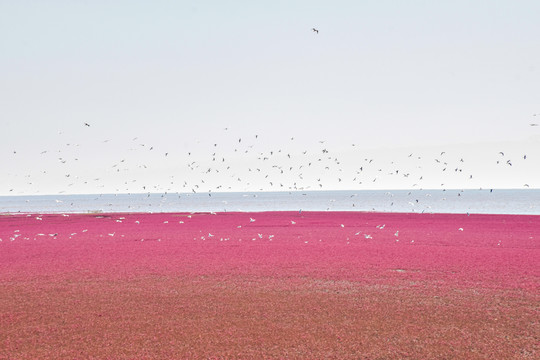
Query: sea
477	201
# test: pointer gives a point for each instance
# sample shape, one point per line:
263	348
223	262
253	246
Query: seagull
315	30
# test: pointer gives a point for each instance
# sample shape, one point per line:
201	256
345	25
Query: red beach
343	285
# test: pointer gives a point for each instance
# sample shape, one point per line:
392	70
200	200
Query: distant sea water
479	201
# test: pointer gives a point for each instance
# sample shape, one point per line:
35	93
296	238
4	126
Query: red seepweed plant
269	285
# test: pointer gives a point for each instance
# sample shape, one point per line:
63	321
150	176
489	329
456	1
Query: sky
202	96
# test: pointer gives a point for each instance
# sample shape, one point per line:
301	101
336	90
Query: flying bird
315	30
86	124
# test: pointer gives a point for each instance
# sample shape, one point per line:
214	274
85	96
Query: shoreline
210	212
515	201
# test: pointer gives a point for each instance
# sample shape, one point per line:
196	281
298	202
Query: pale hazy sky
393	78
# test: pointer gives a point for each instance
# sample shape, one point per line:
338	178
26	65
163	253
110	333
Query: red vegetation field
269	285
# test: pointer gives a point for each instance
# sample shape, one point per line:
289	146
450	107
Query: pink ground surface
290	285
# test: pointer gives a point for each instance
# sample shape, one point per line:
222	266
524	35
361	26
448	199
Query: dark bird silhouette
86	124
315	30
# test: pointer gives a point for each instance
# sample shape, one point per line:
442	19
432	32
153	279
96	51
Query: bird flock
230	162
